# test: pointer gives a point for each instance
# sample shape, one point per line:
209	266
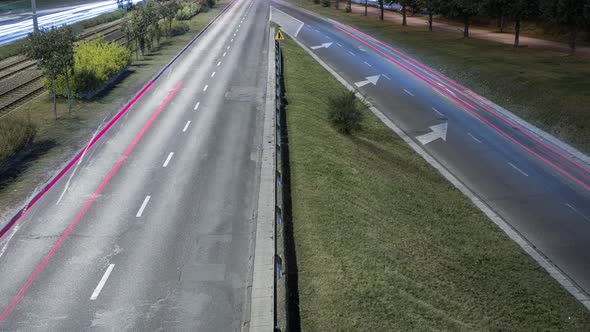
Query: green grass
57	141
385	243
549	89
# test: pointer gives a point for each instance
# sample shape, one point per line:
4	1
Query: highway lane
539	189
153	229
15	27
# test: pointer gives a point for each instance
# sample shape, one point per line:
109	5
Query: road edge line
262	297
568	284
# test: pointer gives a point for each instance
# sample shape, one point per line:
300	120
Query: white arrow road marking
324	45
370	79
438	131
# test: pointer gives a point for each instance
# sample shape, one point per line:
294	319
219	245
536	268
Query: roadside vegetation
385	243
54	140
546	88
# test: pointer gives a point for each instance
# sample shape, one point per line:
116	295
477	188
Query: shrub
187	11
317	2
211	3
347	9
326	3
178	28
95	63
344	112
16	133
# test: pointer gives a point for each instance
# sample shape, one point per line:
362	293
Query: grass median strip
545	88
384	243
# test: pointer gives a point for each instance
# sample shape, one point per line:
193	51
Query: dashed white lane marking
368	64
167	161
339	44
329	37
188	123
351	53
102	281
408	92
143	205
474	138
577	212
206	87
387	77
197	105
437	112
228	47
219	64
224	53
14	230
212	74
235	34
232	40
518	169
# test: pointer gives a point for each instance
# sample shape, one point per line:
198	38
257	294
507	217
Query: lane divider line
197	105
147	198
474	138
21	293
578	212
212	74
103	281
408	92
188	123
518	169
167	160
206	87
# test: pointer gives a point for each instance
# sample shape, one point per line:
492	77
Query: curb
553	271
262	298
114	119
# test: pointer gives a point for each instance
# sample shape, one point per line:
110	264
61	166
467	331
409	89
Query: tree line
571	16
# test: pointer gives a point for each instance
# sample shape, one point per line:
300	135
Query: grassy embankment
56	141
549	89
385	243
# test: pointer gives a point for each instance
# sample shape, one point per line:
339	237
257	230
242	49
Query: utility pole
35	23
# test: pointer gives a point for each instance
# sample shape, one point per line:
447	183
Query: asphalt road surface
542	191
153	229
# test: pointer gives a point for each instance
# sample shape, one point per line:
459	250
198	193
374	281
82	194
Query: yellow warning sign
279	36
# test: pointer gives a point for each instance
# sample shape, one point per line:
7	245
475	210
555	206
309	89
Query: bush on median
16	133
95	64
187	11
344	113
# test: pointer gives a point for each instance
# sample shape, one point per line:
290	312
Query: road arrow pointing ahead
324	45
438	131
371	79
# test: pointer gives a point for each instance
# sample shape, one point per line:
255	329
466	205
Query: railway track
21	80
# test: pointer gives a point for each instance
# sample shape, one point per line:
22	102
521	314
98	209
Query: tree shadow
14	167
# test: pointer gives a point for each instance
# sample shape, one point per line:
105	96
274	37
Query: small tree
168	11
464	9
569	14
521	9
433	7
344	112
54	50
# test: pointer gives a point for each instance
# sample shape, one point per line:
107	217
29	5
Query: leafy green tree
169	10
568	14
405	4
53	49
433	7
463	9
519	10
498	9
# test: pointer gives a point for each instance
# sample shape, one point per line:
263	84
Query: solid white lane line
144	204
206	87
474	138
188	123
197	106
102	281
212	74
578	212
224	53
437	112
368	64
387	77
168	159
351	53
518	169
219	64
408	92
